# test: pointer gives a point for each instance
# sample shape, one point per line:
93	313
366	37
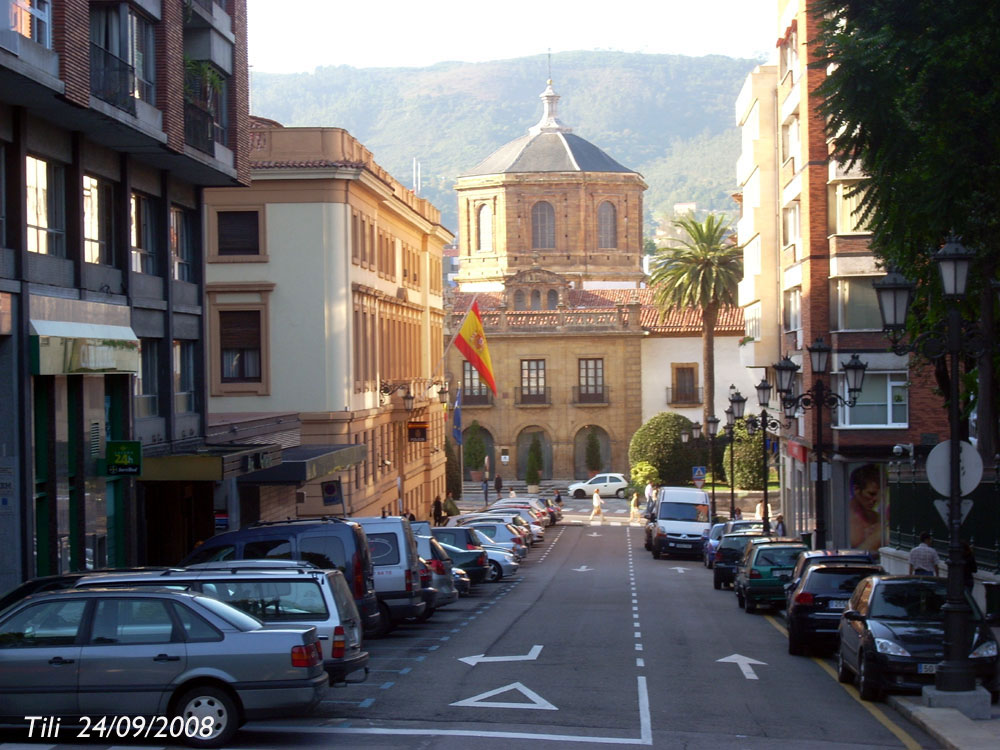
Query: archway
580	470
490	445
524	443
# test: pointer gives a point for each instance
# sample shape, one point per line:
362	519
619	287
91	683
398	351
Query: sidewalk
950	727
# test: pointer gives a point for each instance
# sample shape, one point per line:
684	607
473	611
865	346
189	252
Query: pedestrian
634	508
437	510
498	484
486	492
598	507
779	526
411	517
384	513
511	493
450	507
969	568
558	498
924	558
738	514
650	493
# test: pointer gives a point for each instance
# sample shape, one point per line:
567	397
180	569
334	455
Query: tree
912	100
593	454
643	473
452	472
701	271
474	449
658	442
748	461
533	471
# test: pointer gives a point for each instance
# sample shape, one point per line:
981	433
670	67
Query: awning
212	463
307	463
66	347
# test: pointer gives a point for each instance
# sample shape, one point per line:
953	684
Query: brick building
113	118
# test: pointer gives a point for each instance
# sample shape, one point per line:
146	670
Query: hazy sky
394	33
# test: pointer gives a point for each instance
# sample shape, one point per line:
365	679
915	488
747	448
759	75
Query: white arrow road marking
593	533
537	701
482	658
681	570
744	663
582	569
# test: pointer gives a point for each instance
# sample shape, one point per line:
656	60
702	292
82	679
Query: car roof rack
318	519
243	566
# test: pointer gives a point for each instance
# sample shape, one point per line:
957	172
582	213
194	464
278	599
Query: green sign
124	458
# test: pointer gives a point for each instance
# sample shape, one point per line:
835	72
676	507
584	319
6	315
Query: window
607	225
519	300
184	376
32	19
543	225
845	203
484	226
751	320
3	196
792	309
474	390
98	221
182	222
143	234
533	381
239	232
883	402
791	146
128	621
122	58
46	208
789	55
44	625
591	379
240	340
685	379
790	229
384	549
536	300
147	380
857	304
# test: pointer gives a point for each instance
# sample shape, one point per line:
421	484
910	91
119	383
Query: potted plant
474	453
533	471
593	454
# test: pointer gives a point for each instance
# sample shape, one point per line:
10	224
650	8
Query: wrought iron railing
199	128
684	395
591	394
533	396
473	398
112	79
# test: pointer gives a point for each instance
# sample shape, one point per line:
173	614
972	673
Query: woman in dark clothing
970	568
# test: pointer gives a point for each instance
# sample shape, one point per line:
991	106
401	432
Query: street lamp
816	398
895	293
713	430
762	422
730	422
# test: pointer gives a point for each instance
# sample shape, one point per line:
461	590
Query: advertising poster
867	505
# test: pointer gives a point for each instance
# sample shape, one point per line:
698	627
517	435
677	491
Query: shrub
748	459
533	471
474	453
643	473
593	456
658	442
452	472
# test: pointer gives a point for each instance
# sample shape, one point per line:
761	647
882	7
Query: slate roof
547	152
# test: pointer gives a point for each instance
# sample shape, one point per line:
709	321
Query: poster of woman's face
866	505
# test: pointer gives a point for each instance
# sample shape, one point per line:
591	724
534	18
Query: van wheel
214	711
384	621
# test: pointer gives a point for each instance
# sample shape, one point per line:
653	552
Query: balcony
591	395
472	398
684	396
537	396
112	79
199	128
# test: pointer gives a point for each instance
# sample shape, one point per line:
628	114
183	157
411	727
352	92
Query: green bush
748	459
533	471
658	442
452	471
593	456
643	473
474	453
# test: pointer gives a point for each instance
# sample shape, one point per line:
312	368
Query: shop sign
123	458
417	431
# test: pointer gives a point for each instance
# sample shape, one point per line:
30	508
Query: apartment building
113	118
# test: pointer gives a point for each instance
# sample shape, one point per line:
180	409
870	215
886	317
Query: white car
607	484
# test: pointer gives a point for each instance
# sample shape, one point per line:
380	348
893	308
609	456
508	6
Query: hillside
668	117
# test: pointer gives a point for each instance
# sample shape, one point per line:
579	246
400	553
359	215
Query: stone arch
524	438
580	450
536	299
519	300
552	300
491	453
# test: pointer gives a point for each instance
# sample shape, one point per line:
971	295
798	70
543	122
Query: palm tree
702	271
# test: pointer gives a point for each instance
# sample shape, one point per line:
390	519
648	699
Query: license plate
926	668
778	572
680	546
837	604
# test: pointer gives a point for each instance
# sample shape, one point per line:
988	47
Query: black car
728	555
822	556
892	636
814	605
464	538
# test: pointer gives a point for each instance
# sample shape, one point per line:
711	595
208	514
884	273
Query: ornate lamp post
817	398
730	422
895	293
713	430
762	422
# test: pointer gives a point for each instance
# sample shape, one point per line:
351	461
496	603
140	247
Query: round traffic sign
970	468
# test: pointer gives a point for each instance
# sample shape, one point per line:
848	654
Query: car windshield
911	600
777	557
841	582
697	512
236	618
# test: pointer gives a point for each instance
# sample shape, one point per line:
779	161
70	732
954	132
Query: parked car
327	543
892	636
440	565
397	575
710	542
546	515
743	524
474	562
462	582
502	562
675	528
502	535
285	592
812	615
139	652
607	484
728	557
532	513
55	583
764	570
821	556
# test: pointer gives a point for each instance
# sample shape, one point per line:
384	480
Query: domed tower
553	200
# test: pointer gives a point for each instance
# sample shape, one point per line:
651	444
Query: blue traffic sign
697	472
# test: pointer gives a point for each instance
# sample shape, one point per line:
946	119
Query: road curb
950	727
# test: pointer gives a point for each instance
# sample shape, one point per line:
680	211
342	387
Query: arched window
607	225
484	226
536	300
553	299
518	300
543	225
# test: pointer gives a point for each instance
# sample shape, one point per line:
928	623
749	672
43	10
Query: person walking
498	485
650	493
486	492
737	514
558	498
924	560
633	515
779	525
598	507
450	507
437	510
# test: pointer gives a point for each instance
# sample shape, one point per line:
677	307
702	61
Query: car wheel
579	494
620	493
384	621
749	605
215	712
428	611
867	682
795	645
844	674
496	572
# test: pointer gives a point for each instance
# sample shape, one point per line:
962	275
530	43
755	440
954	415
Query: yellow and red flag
471	341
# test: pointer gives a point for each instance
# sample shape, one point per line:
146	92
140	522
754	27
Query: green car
767	565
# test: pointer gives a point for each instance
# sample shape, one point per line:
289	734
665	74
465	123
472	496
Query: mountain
669	117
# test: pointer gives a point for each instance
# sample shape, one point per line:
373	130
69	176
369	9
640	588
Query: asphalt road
593	643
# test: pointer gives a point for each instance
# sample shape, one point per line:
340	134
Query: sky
404	33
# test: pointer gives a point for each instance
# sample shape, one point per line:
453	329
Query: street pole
711	463
819	388
763	441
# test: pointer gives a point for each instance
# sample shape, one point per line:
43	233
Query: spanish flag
471	341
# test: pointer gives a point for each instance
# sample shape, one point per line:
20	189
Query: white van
676	524
395	559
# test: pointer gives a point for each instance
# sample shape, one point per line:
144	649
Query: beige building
324	284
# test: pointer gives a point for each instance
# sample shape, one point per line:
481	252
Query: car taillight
307	656
805	598
339	642
718	555
754	573
437	566
471	546
409	580
518	540
425	578
359	577
482	559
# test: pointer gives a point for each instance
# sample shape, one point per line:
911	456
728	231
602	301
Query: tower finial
550	121
550	66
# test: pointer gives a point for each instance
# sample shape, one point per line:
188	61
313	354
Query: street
592	643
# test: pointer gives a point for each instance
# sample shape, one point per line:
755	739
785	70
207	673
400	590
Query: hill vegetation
668	117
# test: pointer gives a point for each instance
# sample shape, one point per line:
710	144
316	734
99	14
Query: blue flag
456	431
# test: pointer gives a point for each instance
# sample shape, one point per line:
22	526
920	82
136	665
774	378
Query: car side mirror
853	615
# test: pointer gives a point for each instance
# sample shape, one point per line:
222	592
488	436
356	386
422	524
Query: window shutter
239	329
238	233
